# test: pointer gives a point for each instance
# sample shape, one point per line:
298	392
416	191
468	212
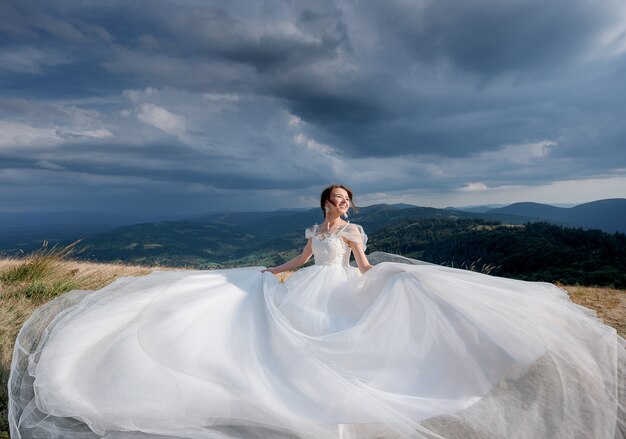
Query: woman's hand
294	263
273	270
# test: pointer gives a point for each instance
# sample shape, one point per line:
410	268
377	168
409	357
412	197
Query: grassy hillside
27	283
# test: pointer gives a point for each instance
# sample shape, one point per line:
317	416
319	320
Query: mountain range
607	215
228	236
515	240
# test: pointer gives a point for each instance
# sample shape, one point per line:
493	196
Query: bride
400	349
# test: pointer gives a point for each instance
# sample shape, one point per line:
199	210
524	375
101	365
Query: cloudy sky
161	106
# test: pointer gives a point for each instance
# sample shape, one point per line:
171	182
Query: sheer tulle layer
403	351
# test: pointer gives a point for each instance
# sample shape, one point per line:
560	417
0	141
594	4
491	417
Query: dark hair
326	196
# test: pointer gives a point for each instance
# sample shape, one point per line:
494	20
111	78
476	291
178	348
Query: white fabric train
407	350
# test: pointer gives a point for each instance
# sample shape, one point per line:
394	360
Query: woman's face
340	199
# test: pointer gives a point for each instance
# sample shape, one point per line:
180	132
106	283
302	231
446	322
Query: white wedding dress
408	349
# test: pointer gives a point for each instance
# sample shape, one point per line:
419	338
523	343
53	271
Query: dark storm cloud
484	52
172	162
252	95
183	31
493	37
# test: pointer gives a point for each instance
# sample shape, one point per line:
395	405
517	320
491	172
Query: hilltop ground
25	284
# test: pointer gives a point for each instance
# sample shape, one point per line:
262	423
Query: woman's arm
359	256
301	259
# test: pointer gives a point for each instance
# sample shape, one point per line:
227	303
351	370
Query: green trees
533	251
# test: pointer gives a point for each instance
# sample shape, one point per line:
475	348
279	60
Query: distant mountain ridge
236	238
608	215
20	233
480	208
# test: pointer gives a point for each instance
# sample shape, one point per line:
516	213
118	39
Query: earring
326	209
346	215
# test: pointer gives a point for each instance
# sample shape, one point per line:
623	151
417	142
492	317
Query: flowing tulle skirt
403	351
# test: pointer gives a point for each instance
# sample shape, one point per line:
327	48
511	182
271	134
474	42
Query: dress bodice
331	248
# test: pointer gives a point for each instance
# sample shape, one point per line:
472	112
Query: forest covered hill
25	231
533	251
508	245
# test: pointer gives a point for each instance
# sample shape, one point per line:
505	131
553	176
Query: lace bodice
331	248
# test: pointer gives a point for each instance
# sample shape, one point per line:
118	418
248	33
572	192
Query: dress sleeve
309	232
355	233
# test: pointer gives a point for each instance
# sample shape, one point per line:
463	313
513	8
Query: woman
395	350
335	202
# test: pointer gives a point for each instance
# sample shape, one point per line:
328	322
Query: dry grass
476	266
609	303
27	283
282	277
